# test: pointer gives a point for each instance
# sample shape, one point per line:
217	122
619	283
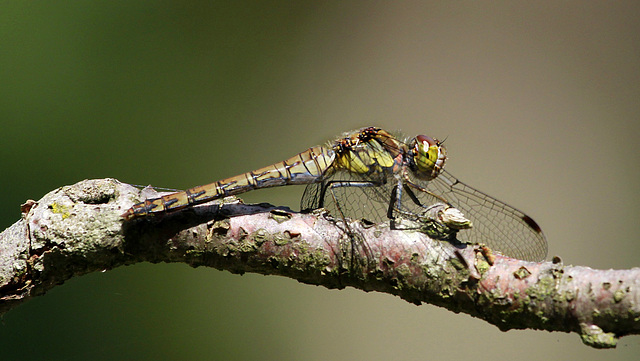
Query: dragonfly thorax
427	157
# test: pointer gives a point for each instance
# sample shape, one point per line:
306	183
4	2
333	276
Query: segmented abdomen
305	168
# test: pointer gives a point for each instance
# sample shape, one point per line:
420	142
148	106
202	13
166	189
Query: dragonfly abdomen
307	167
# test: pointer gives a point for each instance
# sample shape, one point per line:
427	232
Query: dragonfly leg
396	193
396	198
412	195
395	204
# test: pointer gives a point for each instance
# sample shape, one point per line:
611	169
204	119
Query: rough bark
78	229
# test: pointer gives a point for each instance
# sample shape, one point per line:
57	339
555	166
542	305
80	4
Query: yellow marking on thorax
366	158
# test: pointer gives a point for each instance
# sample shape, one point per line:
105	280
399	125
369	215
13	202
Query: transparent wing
496	224
351	195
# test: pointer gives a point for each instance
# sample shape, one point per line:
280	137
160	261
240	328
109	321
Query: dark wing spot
531	223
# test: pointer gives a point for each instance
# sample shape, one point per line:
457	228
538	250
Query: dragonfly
371	174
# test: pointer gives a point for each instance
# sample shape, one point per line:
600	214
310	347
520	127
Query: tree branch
77	229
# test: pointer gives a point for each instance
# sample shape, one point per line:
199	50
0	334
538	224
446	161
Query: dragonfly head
429	156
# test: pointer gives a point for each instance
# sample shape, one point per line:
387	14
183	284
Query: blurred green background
539	104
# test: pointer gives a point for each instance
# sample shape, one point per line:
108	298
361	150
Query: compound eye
423	138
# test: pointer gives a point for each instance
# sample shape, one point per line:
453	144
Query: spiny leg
395	203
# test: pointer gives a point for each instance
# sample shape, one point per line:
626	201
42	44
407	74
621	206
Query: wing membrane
495	223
